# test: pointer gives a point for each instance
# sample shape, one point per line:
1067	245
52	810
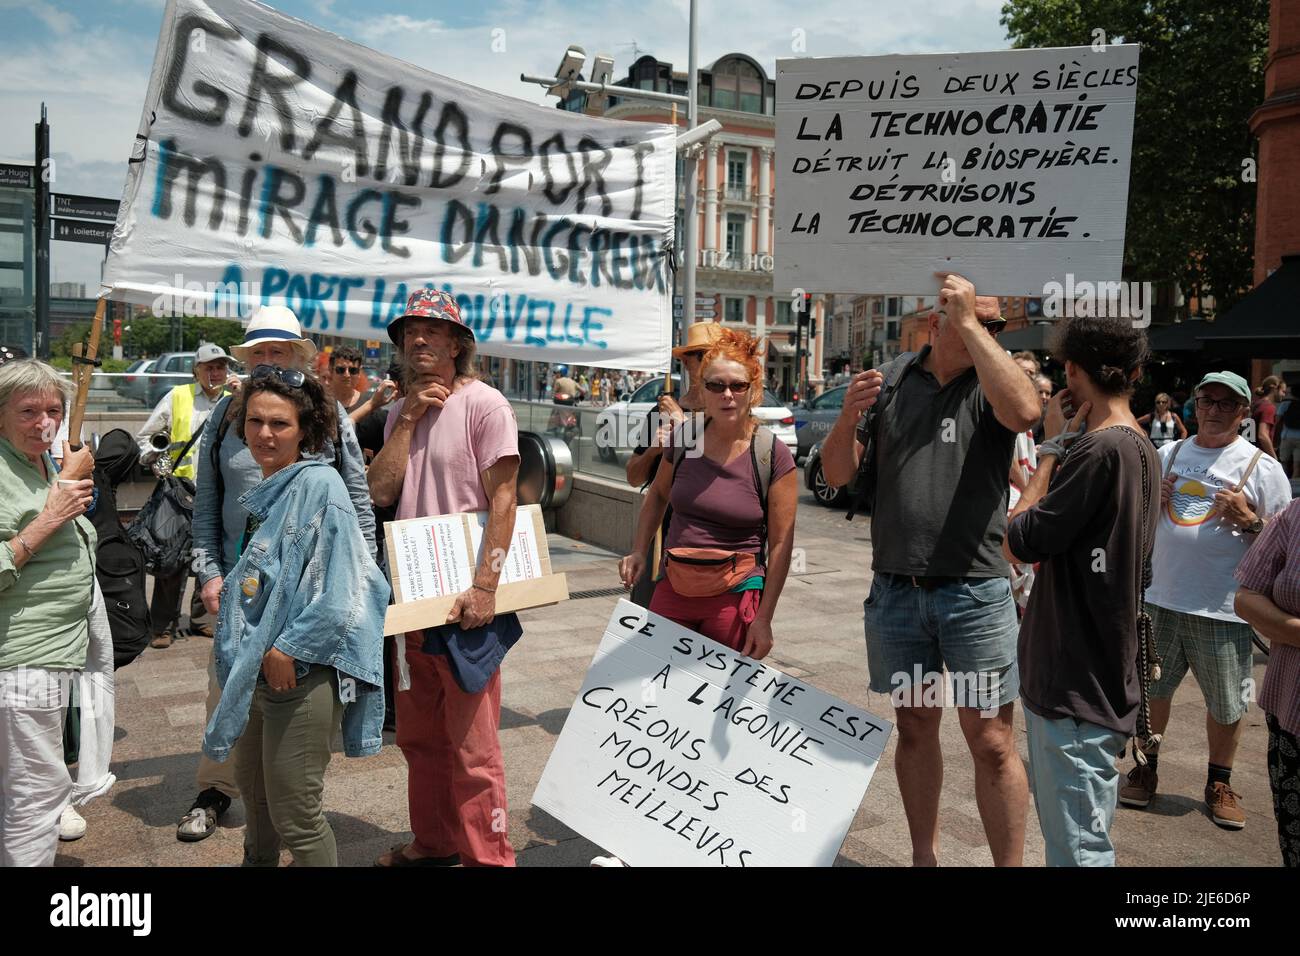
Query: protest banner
1011	168
280	164
681	752
431	560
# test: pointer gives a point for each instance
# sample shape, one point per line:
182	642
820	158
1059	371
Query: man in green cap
1217	492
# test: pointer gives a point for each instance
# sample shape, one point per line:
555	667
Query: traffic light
792	337
806	311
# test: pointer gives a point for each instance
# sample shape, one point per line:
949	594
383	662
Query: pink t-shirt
451	447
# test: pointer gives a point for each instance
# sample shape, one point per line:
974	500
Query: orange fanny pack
707	572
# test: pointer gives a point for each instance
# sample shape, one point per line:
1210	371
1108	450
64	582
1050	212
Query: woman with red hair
733	492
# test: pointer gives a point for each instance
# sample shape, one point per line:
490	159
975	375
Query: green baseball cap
1230	379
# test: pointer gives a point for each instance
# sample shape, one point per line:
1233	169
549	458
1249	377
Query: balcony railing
738	193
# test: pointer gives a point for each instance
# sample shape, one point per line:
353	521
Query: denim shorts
1075	785
967	626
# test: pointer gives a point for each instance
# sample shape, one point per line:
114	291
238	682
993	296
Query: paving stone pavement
818	631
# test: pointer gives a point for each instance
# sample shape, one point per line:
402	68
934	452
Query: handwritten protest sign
681	752
1011	168
280	164
433	559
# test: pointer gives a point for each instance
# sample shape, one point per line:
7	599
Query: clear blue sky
89	60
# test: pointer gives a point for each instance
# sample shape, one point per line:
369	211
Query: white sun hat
275	323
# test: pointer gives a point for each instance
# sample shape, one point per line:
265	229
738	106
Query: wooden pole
668	379
83	368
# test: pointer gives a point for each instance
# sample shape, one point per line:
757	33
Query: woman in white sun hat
226	470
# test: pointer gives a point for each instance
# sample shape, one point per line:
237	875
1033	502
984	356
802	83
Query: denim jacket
305	585
218	526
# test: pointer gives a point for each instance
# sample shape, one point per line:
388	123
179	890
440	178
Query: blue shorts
967	626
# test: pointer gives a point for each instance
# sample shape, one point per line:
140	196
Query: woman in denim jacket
299	645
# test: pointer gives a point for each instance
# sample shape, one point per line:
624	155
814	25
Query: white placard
1010	167
523	561
278	163
432	557
680	752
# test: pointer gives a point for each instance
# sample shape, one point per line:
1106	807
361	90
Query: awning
1032	338
1266	323
779	348
1179	337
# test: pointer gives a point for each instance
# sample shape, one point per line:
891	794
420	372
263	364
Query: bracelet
26	547
479	587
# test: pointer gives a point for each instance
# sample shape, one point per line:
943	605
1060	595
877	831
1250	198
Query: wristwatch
1255	527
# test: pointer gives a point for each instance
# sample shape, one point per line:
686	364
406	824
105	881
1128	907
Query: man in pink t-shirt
452	445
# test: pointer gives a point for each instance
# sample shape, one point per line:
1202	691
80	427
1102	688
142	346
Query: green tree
1191	216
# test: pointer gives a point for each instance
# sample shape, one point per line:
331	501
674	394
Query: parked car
624	421
133	383
168	371
814	419
812	477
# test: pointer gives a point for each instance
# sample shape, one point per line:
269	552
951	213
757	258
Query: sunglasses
347	370
736	388
289	376
992	326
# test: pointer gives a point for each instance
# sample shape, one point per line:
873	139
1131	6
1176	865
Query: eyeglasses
289	376
736	388
1226	405
347	370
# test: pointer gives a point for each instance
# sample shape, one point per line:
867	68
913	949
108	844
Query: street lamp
565	81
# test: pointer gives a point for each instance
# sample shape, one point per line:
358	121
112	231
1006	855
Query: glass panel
724	99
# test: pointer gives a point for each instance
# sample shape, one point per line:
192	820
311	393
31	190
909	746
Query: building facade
734	227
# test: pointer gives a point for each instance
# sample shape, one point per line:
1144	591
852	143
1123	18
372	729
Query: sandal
200	821
396	859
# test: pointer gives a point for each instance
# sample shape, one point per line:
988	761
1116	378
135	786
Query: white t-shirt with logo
1196	553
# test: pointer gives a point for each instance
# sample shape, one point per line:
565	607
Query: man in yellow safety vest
179	415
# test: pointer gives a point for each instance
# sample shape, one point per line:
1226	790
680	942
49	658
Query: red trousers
725	617
456	775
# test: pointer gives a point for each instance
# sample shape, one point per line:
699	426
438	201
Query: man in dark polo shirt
1084	523
940	596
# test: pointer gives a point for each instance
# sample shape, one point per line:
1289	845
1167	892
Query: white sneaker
71	824
602	861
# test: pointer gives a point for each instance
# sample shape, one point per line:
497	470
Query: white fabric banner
1009	167
280	164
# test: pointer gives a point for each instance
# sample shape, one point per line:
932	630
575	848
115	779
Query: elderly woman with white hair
47	575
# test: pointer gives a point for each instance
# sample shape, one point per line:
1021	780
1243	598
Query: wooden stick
82	373
668	378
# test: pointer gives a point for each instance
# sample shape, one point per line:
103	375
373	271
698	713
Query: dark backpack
162	528
119	565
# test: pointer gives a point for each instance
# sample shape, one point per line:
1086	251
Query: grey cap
209	352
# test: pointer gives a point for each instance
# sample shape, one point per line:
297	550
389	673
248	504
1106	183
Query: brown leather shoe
1225	808
1141	787
162	640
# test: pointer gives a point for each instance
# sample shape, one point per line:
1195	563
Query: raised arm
1006	386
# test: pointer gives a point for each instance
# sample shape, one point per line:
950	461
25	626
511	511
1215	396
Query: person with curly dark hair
299	646
1088	517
